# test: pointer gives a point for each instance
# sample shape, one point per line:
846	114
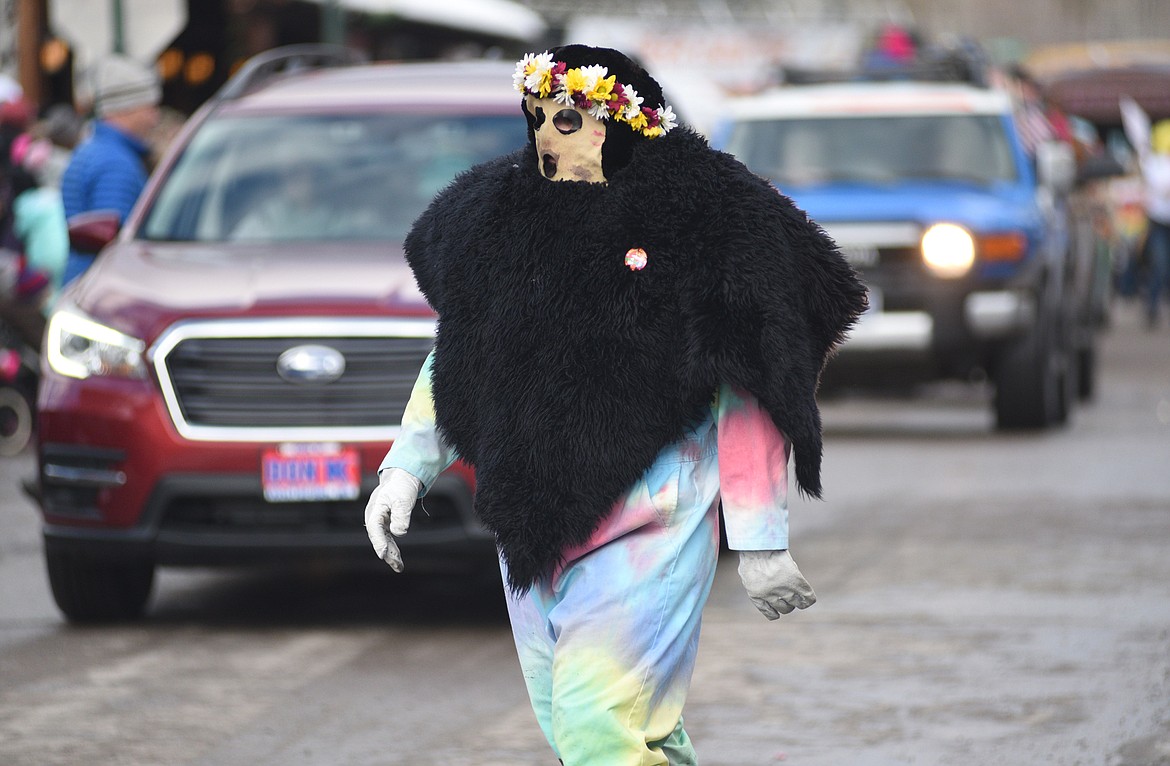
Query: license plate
303	472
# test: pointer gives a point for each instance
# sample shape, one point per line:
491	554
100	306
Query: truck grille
222	380
879	245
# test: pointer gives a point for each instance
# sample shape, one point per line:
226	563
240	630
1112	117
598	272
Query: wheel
1086	373
89	590
16	421
1034	384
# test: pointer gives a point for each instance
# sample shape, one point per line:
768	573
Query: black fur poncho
560	372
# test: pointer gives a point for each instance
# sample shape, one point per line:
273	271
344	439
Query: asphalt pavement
984	598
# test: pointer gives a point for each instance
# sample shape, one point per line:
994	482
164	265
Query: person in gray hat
108	170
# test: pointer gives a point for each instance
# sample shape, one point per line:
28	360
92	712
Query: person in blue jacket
109	169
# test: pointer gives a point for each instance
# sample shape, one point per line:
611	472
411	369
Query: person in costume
631	327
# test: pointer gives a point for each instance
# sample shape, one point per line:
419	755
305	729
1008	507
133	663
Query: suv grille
221	384
234	382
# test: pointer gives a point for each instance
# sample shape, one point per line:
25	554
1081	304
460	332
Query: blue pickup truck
976	263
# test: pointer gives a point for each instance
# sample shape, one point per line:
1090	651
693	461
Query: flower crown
593	89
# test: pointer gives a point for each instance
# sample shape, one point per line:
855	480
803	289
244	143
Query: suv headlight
948	250
79	347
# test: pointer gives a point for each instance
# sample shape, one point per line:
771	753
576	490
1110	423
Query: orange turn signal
1006	246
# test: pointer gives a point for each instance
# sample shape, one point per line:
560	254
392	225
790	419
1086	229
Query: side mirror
90	232
1056	166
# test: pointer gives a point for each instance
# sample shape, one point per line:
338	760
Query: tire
1086	373
91	591
1034	383
16	421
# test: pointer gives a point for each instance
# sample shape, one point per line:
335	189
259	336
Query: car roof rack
963	63
285	60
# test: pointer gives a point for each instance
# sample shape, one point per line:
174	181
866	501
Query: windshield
320	177
805	152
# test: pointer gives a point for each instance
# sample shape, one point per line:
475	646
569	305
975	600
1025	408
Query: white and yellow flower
573	81
591	88
634	108
534	74
666	118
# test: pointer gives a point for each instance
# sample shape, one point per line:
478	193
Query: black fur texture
560	373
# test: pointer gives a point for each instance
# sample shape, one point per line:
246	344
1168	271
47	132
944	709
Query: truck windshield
803	152
320	177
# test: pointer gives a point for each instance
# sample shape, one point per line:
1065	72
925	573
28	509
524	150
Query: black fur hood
560	372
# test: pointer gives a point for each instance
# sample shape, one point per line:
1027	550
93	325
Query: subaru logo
311	364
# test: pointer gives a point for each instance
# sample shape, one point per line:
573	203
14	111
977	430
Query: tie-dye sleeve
753	473
420	448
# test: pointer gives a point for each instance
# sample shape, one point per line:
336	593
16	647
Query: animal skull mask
568	141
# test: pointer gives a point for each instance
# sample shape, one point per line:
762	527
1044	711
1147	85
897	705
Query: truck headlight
79	347
948	250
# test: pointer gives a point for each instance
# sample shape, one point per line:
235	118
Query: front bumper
986	315
117	479
997	314
208	520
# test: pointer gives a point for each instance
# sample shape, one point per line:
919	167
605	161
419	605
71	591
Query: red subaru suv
222	384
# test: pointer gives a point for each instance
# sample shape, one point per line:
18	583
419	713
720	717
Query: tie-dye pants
608	646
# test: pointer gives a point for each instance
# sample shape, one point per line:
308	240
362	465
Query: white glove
773	582
388	513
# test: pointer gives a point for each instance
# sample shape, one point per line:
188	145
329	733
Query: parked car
222	384
967	244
